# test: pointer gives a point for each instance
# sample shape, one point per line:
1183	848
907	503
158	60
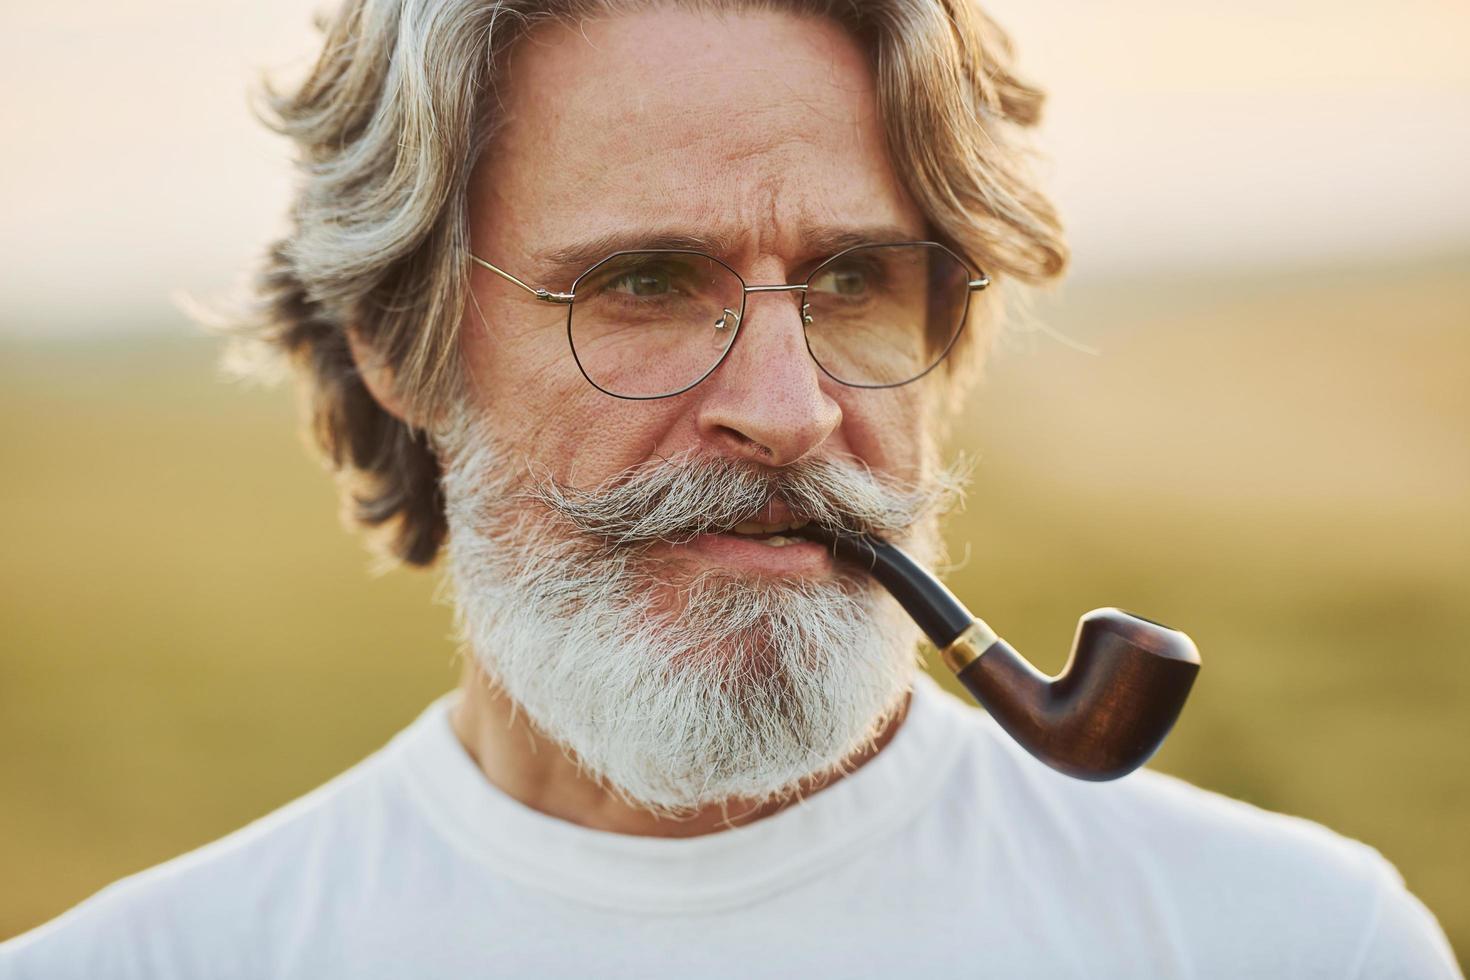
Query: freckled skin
759	124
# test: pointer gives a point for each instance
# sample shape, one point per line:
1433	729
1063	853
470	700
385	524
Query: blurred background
1247	413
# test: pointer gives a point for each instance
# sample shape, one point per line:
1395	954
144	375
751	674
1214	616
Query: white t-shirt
952	853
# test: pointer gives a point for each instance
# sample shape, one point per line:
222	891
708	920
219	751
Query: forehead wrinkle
724	241
743	171
707	139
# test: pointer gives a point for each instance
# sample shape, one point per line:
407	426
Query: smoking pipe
1102	717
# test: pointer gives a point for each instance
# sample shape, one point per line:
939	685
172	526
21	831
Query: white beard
721	688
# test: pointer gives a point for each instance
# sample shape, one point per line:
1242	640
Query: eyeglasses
654	323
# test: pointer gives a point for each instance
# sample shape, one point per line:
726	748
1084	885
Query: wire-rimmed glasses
652	323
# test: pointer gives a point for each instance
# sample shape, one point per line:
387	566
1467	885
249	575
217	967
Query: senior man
603	298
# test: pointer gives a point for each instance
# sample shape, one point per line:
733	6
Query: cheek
596	437
587	438
510	352
889	428
545	412
520	374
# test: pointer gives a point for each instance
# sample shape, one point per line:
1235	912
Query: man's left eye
843	282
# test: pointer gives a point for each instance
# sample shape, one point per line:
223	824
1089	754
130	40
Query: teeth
776	541
755	527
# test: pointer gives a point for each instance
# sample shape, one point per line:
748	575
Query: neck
529	768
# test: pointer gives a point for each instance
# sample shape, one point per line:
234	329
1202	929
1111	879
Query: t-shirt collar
654	874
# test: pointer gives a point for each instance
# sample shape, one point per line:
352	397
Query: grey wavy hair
394	115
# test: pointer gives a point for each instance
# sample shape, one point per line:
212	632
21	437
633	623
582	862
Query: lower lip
796	558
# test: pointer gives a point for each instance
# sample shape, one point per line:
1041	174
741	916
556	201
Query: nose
766	401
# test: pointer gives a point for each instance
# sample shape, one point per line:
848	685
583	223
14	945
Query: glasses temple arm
546	296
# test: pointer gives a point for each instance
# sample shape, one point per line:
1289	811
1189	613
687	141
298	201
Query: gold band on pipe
968	646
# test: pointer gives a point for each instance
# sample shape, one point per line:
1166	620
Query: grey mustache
677	499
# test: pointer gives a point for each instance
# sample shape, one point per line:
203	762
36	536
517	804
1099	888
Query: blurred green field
1280	466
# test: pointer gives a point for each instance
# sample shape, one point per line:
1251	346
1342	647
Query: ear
377	375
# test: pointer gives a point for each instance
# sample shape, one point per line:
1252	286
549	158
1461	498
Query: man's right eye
643	281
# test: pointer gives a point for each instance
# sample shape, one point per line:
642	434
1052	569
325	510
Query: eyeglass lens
649	324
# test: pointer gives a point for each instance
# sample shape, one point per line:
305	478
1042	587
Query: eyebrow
565	262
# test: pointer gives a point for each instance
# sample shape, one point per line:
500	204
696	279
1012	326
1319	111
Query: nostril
748	446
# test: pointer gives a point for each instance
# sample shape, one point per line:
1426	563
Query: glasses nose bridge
788	287
785	287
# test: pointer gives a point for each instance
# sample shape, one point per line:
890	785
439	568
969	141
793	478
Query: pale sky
1180	135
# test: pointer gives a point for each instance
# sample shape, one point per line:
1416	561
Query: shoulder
1146	813
1323	903
224	909
1217	871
